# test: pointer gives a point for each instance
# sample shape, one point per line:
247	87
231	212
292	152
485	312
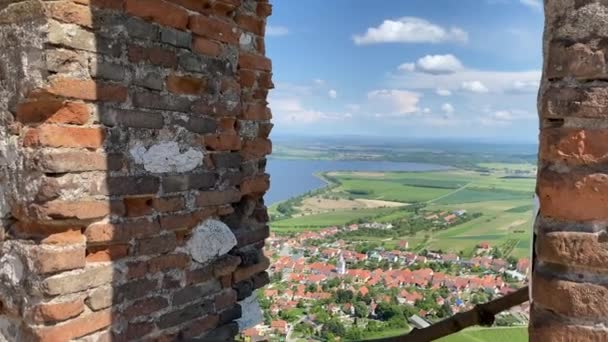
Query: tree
344	296
361	310
333	328
386	311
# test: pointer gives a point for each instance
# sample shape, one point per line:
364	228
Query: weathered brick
132	185
254	62
191	181
79	210
70	12
573	196
158	11
65	61
199	327
574	248
135	331
576	300
57	311
206	46
199	275
227	160
70	236
48	259
256	111
138	206
246	237
226	265
75	161
223	142
573	146
247	78
558	331
255	185
183	315
251	23
264	9
156	245
201	125
138	269
88	90
256	148
194	5
152	55
575	60
215	29
78	327
53	111
584	102
107	4
225	300
100	298
176	38
195	293
212	198
121	232
260	280
185	221
101	69
168	204
185	84
134	289
243	273
106	253
145	307
223	333
76	281
63	136
153	100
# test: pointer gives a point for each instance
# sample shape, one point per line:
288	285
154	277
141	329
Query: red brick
206	47
185	84
214	29
574	60
145	307
247	78
156	245
573	196
53	111
108	4
79	210
225	300
168	204
195	5
226	125
265	80
77	160
223	142
72	13
264	9
138	206
88	90
213	198
560	332
185	221
254	62
159	11
573	248
256	148
161	263
67	237
576	300
256	111
226	265
223	8
260	45
106	253
152	55
251	24
78	327
52	260
244	273
57	311
200	326
62	136
574	146
123	232
255	185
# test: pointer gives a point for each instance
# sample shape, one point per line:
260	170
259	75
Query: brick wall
133	137
570	274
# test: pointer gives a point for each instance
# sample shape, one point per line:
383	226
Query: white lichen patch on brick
210	239
11	269
252	313
166	157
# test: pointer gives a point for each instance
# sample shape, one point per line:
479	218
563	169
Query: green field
504	201
507	334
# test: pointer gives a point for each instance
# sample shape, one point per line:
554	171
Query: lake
289	178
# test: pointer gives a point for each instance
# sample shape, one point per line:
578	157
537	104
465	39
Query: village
325	287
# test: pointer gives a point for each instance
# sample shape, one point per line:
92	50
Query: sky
406	68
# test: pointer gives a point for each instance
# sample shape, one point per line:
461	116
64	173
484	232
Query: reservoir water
290	178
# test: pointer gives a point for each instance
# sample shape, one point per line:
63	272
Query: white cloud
392	101
535	4
443	92
474	87
447	108
319	82
426	110
276	31
505	117
496	81
290	105
332	93
353	107
439	64
410	30
407	67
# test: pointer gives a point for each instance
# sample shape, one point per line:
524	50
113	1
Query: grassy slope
507	334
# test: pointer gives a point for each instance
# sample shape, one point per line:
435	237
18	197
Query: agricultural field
504	200
497	334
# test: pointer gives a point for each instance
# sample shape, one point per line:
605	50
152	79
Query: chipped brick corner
133	143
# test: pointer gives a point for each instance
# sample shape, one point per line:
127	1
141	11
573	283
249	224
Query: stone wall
133	137
570	272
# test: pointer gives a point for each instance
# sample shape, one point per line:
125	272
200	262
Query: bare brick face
132	127
569	295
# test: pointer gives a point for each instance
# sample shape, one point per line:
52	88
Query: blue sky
412	68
